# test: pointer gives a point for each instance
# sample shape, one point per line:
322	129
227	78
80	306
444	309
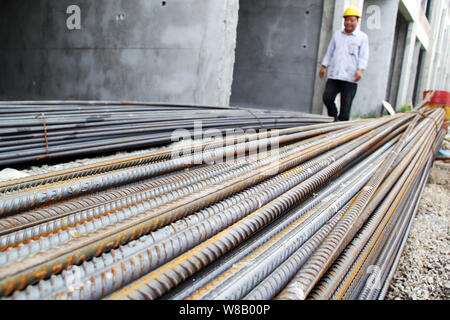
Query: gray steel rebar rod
422	184
206	275
106	215
243	276
16	228
158	282
279	278
386	257
355	284
333	245
351	290
386	243
86	246
149	245
16	202
329	283
151	156
348	263
13	203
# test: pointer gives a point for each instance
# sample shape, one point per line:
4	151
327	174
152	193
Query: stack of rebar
33	131
312	212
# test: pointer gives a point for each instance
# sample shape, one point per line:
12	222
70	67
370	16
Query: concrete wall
276	54
170	51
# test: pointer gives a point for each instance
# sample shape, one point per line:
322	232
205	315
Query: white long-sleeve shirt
346	54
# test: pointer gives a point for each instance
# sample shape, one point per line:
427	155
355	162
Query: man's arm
328	56
363	58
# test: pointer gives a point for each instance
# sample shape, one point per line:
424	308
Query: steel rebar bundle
44	130
317	211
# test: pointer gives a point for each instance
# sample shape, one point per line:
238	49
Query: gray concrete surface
276	54
169	51
326	32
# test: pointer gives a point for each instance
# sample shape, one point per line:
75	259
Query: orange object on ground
438	100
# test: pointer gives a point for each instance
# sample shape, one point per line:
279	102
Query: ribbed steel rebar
333	245
14	230
413	208
329	283
165	185
115	214
270	286
83	247
328	202
218	267
184	238
242	277
277	279
157	121
353	281
32	225
157	282
16	202
391	247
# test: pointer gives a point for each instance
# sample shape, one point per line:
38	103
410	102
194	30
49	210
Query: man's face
350	24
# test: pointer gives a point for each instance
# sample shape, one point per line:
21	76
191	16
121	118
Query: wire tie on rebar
436	125
420	113
45	137
254	115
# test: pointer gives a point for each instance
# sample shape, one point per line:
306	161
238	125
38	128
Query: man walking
346	58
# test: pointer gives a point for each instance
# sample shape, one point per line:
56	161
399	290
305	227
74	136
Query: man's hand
358	75
322	72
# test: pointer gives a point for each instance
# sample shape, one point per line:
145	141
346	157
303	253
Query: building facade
247	53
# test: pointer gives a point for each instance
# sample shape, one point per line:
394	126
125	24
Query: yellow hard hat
352	11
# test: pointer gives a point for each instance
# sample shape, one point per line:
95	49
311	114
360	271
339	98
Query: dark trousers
347	91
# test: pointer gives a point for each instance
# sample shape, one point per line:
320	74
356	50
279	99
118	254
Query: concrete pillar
436	16
379	20
442	42
408	60
326	32
415	68
444	39
229	51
